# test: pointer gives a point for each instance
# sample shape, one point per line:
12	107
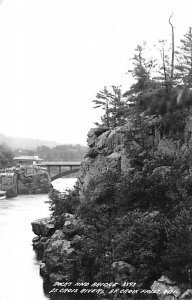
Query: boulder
187	294
57	257
122	271
166	289
102	140
43	270
91	137
39	242
43	227
122	266
70	226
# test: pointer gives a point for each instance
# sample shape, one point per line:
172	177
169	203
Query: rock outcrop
32	180
57	256
167	289
8	183
112	150
29	179
58	250
43	227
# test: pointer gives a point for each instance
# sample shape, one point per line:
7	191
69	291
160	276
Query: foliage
144	87
184	58
61	203
57	153
114	106
178	254
143	218
6	156
161	85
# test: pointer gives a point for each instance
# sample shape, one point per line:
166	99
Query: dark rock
55	277
39	243
58	256
76	240
70	226
187	294
92	153
43	270
43	227
122	271
167	289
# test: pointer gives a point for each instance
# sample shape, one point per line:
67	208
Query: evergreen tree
102	101
142	90
184	66
115	107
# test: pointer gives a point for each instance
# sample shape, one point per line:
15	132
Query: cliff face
103	232
112	150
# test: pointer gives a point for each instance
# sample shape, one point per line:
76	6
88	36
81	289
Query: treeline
6	156
57	153
162	83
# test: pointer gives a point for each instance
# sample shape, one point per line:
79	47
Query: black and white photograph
95	150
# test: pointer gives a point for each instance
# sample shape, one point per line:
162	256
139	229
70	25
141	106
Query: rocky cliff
113	150
121	232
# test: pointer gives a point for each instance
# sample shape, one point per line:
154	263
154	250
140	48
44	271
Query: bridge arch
65	173
73	166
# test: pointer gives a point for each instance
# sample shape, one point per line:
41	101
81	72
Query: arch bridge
73	167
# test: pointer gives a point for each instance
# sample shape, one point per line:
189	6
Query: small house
27	160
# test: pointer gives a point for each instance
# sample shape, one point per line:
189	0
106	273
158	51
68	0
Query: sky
56	55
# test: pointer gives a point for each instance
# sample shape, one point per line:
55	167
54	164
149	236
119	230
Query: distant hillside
62	152
25	143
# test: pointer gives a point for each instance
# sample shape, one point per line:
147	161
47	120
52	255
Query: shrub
61	203
142	218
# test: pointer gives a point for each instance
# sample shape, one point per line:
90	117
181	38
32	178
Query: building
27	160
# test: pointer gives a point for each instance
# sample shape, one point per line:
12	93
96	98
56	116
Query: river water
19	267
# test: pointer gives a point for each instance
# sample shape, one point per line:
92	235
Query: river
19	267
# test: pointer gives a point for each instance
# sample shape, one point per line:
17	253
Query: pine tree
142	90
184	66
102	101
112	102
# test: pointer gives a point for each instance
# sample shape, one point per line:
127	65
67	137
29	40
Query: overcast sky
56	55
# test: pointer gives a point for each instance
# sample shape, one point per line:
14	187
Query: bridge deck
74	168
59	163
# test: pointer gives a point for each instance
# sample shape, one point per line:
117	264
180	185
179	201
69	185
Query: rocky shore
59	247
